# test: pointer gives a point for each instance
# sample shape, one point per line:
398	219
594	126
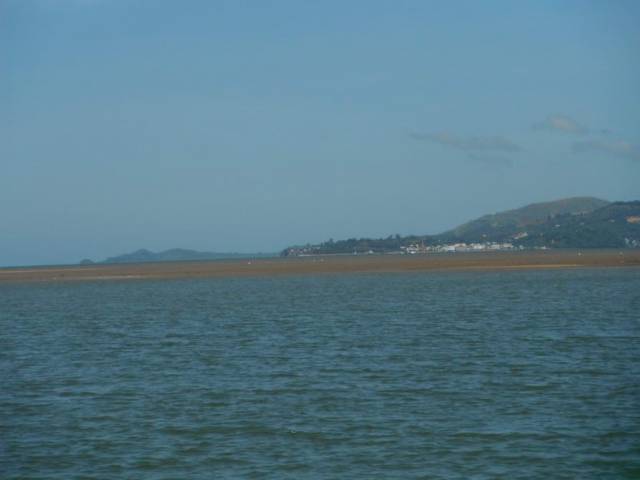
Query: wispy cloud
618	148
561	123
470	144
491	160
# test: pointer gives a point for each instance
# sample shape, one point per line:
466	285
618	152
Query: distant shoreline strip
328	265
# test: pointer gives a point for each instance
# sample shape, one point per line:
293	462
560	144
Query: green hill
504	225
616	225
580	222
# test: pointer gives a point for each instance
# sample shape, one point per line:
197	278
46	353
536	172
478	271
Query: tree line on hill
581	222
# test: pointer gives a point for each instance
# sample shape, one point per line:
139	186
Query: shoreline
330	264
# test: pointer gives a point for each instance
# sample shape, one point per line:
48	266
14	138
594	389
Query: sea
440	375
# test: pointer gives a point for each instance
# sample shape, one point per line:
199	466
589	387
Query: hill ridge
144	255
575	222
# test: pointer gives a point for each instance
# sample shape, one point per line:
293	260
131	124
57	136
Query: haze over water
523	374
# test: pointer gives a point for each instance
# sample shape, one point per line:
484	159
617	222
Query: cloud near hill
561	123
618	148
470	144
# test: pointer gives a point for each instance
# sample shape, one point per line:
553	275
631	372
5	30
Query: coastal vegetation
580	222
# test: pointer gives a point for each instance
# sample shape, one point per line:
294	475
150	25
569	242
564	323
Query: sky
249	126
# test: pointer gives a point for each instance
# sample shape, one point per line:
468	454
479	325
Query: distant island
174	255
579	222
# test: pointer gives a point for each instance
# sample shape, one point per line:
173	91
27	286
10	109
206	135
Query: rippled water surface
438	375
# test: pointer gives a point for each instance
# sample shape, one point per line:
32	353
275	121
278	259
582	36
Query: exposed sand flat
329	264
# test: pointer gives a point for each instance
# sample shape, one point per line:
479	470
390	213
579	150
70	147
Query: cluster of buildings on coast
457	247
411	249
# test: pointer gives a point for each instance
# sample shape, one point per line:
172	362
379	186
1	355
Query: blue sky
253	125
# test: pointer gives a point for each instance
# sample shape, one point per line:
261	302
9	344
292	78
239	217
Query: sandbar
329	264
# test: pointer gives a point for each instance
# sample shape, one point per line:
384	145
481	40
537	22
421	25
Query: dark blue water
437	375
